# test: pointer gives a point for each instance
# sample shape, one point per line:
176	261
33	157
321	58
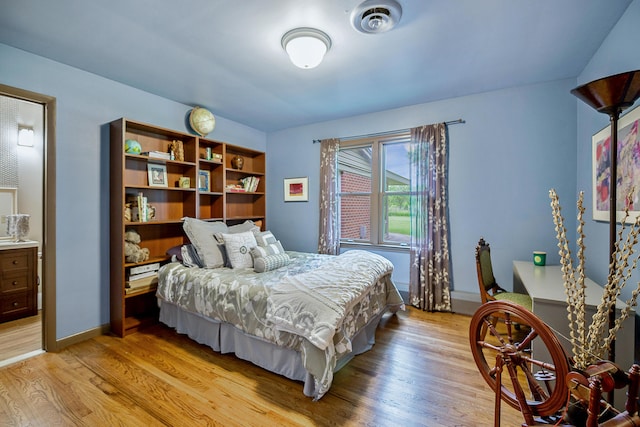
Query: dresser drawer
14	281
15	304
18	283
14	260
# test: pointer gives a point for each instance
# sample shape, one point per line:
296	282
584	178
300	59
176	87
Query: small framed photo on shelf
204	178
296	189
157	175
184	182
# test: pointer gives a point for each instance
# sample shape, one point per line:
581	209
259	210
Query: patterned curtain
430	266
329	241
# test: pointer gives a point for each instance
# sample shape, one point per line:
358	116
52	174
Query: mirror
8	206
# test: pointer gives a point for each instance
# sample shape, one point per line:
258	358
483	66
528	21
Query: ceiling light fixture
306	46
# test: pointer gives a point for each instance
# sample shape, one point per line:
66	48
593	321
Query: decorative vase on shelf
237	162
18	226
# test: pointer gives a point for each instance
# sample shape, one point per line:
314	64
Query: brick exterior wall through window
355	211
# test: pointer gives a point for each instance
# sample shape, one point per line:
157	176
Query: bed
303	320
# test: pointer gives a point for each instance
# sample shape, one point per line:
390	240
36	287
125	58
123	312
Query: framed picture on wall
628	185
296	189
157	175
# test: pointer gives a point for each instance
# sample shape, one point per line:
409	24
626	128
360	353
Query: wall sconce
306	46
25	136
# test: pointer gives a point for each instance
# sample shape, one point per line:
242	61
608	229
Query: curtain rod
346	138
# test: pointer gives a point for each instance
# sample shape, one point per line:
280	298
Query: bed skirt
226	338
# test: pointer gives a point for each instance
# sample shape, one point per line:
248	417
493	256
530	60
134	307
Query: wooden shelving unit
211	202
241	206
129	176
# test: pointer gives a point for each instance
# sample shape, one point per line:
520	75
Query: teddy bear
132	250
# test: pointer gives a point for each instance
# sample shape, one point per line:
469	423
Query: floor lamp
612	95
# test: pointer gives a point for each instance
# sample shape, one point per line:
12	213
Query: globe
132	146
202	121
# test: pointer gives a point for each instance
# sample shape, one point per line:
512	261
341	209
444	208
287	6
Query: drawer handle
15	282
15	262
15	304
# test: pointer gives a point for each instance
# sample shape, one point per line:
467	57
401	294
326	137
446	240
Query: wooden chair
489	288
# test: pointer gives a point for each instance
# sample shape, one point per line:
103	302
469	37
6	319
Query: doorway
36	193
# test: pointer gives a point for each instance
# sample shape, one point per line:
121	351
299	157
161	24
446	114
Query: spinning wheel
502	336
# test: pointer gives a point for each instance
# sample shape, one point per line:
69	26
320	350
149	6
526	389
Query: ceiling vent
376	16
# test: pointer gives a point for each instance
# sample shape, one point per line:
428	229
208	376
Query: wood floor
20	336
419	373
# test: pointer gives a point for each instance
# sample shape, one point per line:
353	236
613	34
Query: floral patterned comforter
315	305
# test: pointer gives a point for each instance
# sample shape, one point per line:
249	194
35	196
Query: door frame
49	340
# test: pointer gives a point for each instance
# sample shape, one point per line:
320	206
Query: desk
545	286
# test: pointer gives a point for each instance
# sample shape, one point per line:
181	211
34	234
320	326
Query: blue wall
618	53
86	104
516	144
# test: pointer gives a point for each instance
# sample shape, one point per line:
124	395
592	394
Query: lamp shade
612	94
306	47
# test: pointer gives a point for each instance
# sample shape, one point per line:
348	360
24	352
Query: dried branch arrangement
590	344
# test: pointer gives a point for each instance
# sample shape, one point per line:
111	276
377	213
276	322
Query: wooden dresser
18	280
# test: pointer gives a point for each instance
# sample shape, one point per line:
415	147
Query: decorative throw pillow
238	246
267	243
175	252
202	236
248	225
264	238
190	256
269	262
273	249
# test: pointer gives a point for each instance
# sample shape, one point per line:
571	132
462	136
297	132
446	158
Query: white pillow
269	262
202	236
238	246
267	243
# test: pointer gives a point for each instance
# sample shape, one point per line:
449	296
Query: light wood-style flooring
20	337
419	373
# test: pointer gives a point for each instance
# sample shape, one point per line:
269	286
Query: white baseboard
20	358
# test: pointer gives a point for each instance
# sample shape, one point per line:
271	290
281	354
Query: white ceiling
226	55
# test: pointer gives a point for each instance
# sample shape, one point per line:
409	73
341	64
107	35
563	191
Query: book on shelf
129	291
236	188
142	208
250	183
157	155
155	266
142	283
134	277
137	208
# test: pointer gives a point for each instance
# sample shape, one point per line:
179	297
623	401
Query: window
374	190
